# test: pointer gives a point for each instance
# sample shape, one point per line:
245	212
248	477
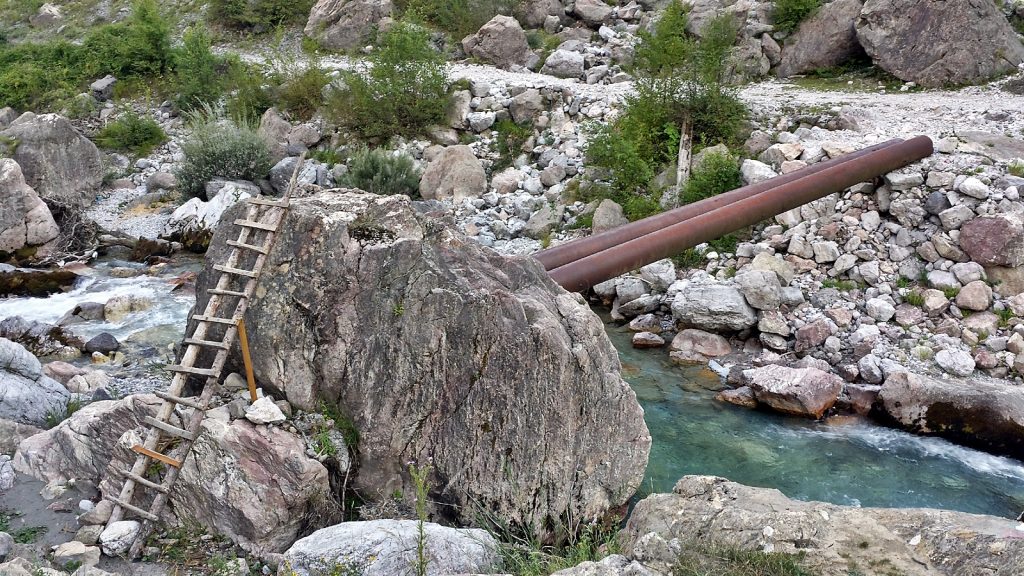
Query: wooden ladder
211	331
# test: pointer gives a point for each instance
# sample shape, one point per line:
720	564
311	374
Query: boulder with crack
25	220
27	396
437	347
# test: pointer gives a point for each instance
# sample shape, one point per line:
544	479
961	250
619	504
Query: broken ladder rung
179	400
264	202
208	372
169	428
201	318
252	247
256	225
134	509
219	292
156	456
145	482
206	343
235	271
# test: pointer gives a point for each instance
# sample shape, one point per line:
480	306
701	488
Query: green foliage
420	474
405	90
29	534
700	559
680	81
914	298
1016	168
380	172
593	543
459	18
131	133
137	47
692	258
258	15
717	173
788	14
841	285
342	423
951	293
251	91
55	416
197	80
509	141
220	146
300	91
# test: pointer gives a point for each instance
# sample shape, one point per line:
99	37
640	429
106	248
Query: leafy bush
138	47
680	80
788	14
299	89
132	133
259	15
196	78
220	146
405	91
459	18
380	172
509	141
716	174
251	90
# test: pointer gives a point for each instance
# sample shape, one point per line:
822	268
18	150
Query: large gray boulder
828	38
939	43
26	394
254	484
63	166
913	541
388	548
988	414
346	24
798	391
455	174
25	220
501	42
715	307
437	347
564	64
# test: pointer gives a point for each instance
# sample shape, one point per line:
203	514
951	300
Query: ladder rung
252	247
178	400
156	456
134	509
201	318
257	225
206	343
265	202
208	372
169	429
219	292
236	271
145	482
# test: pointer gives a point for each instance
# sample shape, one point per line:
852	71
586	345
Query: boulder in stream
26	394
438	348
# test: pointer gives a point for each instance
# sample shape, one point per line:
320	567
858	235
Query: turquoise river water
844	460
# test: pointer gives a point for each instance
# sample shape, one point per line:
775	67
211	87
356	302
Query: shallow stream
843	460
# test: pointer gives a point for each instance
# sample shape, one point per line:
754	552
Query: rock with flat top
501	42
264	411
118	537
799	391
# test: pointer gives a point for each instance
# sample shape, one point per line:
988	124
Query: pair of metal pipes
580	264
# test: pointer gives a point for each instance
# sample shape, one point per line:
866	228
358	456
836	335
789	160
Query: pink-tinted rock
799	391
812	335
693	346
647	340
994	240
742	396
862	396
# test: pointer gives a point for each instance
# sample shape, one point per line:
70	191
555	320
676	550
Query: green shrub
405	91
700	559
380	172
36	76
131	133
299	91
716	174
788	14
251	90
1016	168
259	15
220	146
138	47
680	80
459	18
509	140
197	80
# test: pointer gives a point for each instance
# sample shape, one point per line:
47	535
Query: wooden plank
252	247
208	372
133	509
235	271
145	482
178	400
256	225
265	202
218	320
235	293
206	343
169	428
156	456
250	378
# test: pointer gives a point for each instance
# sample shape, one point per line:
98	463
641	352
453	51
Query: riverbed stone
608	215
799	391
760	288
824	40
117	537
503	334
455	174
27	396
25	220
812	335
956	362
389	548
346	24
501	42
693	346
713	307
996	240
830	537
976	295
647	340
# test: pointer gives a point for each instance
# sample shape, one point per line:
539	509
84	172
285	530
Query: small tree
196	69
220	146
404	91
381	172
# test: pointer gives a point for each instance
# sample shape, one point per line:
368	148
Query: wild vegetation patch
131	133
788	14
220	146
382	172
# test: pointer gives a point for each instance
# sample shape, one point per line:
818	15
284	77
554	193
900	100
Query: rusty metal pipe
571	251
609	263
